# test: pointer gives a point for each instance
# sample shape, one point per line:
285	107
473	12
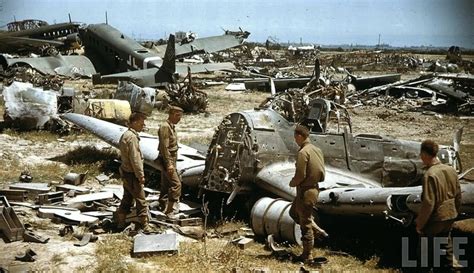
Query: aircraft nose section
229	155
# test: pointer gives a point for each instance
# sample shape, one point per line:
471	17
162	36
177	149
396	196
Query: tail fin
168	67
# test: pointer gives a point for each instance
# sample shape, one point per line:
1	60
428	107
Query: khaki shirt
441	196
168	143
309	166
130	153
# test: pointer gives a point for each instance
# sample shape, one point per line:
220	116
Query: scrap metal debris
186	96
446	93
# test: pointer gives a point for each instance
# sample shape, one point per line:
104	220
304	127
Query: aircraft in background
118	57
37	35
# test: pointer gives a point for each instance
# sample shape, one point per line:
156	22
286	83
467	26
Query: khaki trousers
301	211
133	191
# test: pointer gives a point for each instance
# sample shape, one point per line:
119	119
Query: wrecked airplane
117	53
39	35
253	152
446	93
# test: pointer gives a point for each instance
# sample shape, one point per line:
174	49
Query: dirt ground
49	157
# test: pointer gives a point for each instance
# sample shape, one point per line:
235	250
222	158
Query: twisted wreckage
253	153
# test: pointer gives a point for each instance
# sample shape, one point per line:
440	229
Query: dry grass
112	252
213	255
41	136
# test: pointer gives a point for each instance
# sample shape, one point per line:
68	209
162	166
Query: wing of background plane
19	42
204	45
190	163
146	77
62	65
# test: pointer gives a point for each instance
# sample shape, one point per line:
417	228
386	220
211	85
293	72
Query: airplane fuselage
119	52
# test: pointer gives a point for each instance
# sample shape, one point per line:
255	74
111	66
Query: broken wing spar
190	163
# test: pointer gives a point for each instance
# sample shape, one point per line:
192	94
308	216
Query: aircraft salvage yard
67	95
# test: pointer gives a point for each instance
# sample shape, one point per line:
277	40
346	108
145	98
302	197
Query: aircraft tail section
168	68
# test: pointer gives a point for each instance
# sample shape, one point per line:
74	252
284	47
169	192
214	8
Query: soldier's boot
119	219
144	225
306	257
162	204
318	231
172	209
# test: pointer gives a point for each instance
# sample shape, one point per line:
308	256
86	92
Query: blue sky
399	22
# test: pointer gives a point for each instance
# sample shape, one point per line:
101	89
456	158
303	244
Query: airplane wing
146	77
204	45
190	163
347	194
62	65
10	42
276	178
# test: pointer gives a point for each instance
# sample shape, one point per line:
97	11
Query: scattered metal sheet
117	190
243	243
75	218
33	189
235	87
49	211
371	81
91	197
98	214
29	236
156	243
24	204
102	178
76	189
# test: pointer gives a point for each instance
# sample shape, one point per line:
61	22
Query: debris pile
186	96
27	74
445	93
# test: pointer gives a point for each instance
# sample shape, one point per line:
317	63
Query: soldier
132	173
170	189
440	204
309	172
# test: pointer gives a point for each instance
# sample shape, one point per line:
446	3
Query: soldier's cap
175	108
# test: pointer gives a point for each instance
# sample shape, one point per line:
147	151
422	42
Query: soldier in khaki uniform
132	173
440	204
170	189
309	172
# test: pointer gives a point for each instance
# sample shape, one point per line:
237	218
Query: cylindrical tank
271	216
